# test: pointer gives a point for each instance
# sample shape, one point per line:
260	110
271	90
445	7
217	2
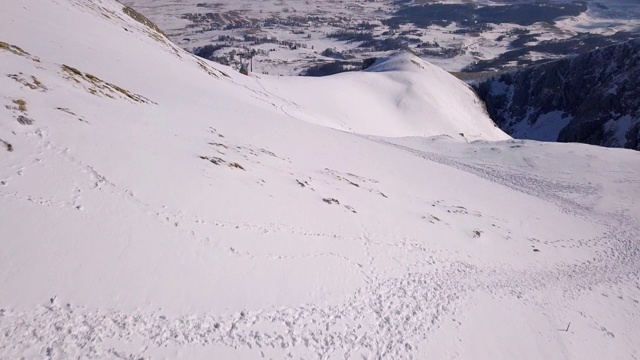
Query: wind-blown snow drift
153	205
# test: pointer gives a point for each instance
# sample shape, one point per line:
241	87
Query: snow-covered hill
153	205
400	95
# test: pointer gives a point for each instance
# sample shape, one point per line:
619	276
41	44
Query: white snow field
155	206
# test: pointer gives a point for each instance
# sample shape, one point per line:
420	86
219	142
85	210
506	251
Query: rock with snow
590	98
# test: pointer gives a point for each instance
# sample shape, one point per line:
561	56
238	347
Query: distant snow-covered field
290	36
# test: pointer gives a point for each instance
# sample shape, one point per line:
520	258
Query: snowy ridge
400	95
156	206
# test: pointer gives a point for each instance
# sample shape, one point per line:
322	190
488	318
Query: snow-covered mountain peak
401	61
399	95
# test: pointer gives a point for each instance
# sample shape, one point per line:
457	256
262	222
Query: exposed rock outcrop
592	98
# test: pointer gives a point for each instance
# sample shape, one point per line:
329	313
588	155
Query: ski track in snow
386	319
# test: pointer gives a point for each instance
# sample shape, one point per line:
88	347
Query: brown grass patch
33	83
17	51
97	86
142	19
21	105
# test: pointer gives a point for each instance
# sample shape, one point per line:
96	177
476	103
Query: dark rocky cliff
592	98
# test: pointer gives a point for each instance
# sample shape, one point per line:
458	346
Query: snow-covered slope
156	206
400	95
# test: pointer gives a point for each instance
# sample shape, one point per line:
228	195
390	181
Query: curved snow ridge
398	96
401	61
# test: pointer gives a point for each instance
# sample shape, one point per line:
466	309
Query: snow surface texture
157	206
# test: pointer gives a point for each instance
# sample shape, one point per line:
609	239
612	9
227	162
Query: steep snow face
401	95
156	206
